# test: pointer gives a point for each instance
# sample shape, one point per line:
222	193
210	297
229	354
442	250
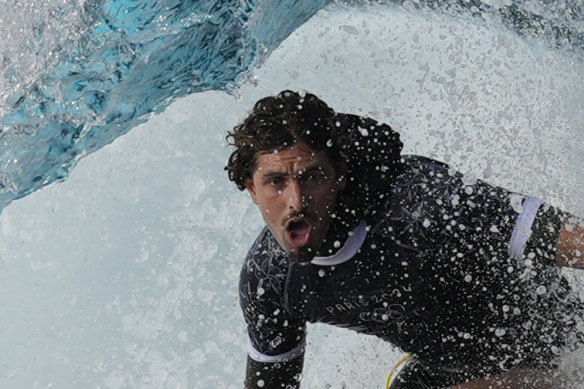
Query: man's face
296	191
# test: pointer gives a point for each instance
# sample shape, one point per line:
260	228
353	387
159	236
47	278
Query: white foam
75	275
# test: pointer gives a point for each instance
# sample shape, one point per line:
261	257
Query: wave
68	92
125	275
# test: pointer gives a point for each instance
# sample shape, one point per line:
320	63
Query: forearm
274	375
570	245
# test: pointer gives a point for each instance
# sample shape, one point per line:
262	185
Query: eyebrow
273	174
312	168
308	169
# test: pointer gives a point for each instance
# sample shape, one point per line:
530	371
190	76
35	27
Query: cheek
325	196
268	216
269	209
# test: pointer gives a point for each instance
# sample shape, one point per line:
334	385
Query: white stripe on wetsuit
349	249
259	357
522	230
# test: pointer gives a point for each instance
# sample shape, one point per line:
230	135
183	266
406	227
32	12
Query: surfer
462	275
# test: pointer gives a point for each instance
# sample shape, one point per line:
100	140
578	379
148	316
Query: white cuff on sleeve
259	357
522	229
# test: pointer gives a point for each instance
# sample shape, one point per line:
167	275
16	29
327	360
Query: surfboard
395	371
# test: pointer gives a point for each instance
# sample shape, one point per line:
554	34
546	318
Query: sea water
125	274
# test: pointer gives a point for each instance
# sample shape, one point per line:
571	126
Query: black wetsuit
458	273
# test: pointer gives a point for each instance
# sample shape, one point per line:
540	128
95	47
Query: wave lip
128	59
134	59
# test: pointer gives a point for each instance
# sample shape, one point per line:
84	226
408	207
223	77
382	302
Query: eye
313	178
275	181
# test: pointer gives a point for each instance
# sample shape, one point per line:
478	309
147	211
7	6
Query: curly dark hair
372	150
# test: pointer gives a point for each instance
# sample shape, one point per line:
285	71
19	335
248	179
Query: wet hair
277	123
372	150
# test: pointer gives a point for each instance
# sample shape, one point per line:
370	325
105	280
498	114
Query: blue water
128	59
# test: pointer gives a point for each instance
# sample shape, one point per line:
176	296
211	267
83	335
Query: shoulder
425	179
431	202
423	170
264	269
421	162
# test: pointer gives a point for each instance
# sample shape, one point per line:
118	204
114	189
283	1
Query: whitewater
119	265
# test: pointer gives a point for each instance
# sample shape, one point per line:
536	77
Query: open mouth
299	232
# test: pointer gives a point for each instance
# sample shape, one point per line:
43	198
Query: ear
252	190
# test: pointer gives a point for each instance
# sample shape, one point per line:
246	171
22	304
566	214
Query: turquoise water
67	92
124	274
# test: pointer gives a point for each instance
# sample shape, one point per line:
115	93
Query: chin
301	255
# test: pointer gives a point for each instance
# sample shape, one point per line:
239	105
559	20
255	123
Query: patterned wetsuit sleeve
274	335
438	208
485	255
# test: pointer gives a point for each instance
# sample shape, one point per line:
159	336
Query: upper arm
435	208
274	334
276	338
440	211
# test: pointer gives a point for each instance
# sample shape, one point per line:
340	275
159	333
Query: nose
295	197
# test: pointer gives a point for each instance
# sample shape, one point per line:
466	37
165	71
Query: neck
337	235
